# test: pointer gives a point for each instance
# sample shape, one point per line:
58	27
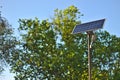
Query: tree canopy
49	51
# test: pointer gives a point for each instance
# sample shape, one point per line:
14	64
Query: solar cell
90	26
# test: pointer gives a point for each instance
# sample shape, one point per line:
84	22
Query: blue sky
43	9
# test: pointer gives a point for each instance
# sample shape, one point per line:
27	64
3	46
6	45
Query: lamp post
89	56
89	28
91	39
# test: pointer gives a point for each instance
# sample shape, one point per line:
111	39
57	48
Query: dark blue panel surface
90	26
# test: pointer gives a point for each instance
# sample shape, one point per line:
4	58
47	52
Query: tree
38	47
106	56
7	43
48	50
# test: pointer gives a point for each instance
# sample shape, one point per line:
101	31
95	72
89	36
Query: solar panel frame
90	26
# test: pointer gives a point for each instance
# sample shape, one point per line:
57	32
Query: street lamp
89	28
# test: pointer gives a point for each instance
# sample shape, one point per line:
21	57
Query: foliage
48	50
7	45
39	48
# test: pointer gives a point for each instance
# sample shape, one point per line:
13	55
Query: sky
13	10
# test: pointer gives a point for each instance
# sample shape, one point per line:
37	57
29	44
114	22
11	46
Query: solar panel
90	26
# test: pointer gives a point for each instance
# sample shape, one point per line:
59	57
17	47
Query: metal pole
89	57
